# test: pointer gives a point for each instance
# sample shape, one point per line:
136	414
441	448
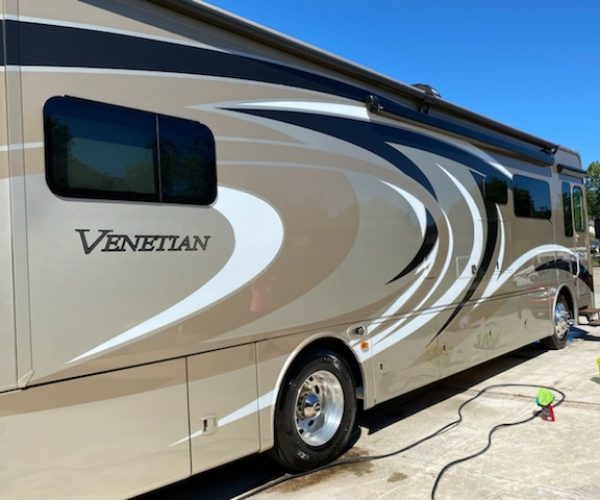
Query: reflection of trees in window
186	161
523	202
496	190
102	151
578	207
531	198
567	212
59	147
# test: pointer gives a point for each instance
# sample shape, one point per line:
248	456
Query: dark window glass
567	209
495	190
96	150
578	209
187	161
532	197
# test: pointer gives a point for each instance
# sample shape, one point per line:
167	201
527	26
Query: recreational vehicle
216	241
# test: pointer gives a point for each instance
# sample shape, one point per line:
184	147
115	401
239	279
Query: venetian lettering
106	240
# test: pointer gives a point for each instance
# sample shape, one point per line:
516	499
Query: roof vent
428	89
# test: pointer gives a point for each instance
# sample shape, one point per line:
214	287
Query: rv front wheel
562	323
316	412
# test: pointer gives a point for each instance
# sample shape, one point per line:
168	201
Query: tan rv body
123	370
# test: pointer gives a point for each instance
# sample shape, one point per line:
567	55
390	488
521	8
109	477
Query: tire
316	412
560	319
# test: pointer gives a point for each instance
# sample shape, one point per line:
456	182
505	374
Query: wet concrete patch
358	469
396	476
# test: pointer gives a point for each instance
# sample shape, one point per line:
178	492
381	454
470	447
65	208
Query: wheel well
340	348
566	293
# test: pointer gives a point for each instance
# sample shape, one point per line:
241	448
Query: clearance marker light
364	345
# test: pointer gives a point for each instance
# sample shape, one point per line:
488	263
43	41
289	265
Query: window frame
63	190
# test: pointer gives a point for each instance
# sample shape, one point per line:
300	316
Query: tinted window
532	197
567	210
187	158
578	210
96	150
495	190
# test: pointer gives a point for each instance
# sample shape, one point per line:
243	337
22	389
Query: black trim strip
33	44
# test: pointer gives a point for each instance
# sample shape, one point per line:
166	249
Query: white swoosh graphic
520	262
328	108
416	204
251	255
379	343
265	401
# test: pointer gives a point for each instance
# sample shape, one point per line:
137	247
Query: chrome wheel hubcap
319	408
561	320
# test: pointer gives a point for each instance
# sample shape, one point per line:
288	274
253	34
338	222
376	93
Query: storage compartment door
223	406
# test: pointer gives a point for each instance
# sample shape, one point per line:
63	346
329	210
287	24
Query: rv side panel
8	359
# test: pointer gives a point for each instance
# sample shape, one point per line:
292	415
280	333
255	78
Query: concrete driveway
536	460
559	460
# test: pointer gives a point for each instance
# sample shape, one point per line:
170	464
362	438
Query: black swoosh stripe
431	235
569	265
33	44
367	135
374	137
486	260
36	44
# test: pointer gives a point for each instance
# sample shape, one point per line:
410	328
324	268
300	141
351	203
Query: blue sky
531	64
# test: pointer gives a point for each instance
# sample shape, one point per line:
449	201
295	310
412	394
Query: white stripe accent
108	29
408	293
108	71
251	256
416	204
440	278
501	168
403	298
261	403
495	284
442	274
380	344
252	140
327	108
502	239
18	147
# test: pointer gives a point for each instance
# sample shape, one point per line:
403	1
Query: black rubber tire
290	450
554	342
